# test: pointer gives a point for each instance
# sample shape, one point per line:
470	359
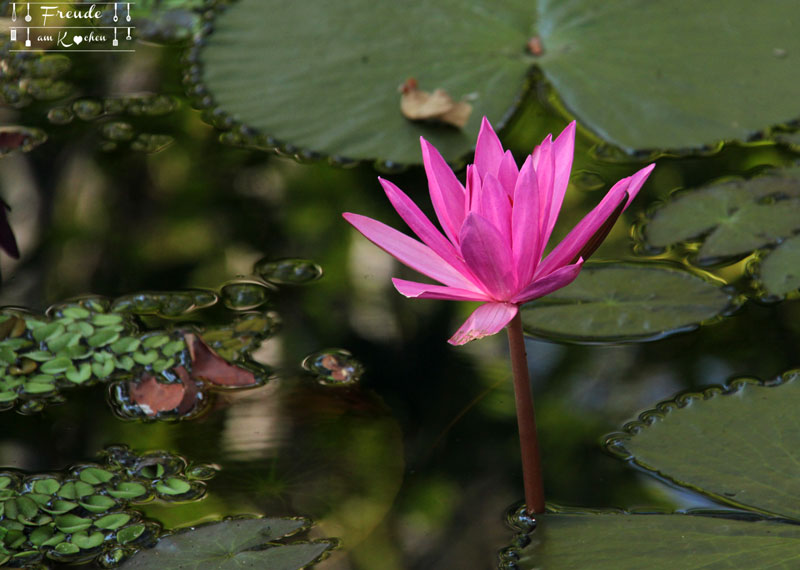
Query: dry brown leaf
209	366
154	397
419	105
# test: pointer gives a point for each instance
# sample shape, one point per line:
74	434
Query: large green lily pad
736	216
779	271
618	302
629	542
649	75
323	76
234	543
742	447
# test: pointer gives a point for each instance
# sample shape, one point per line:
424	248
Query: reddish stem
526	419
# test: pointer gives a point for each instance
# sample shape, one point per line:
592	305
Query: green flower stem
526	419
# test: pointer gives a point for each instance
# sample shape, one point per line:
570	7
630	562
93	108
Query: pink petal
487	319
473	187
408	251
563	148
495	206
447	193
488	150
637	181
508	172
559	278
545	171
488	253
601	233
588	227
591	224
428	291
583	231
422	226
525	238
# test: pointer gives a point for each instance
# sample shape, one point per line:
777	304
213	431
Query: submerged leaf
234	543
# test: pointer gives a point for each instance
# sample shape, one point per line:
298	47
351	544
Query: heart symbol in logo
78	40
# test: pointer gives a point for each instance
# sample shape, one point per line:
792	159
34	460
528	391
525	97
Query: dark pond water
412	462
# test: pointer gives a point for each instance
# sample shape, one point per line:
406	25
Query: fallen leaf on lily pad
419	105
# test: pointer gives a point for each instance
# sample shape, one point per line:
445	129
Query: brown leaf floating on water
211	367
154	397
419	105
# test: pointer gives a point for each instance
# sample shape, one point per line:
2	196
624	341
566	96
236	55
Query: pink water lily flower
495	229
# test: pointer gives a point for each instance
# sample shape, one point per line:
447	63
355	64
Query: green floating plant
118	119
738	445
80	343
730	218
158	373
34	76
86	513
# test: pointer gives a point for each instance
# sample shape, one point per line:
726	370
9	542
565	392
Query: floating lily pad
628	542
326	76
288	271
327	73
235	543
735	216
618	302
742	447
779	271
648	75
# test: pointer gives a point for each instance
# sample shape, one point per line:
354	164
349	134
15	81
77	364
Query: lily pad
234	543
735	216
648	75
326	74
741	447
617	541
642	75
779	271
619	302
